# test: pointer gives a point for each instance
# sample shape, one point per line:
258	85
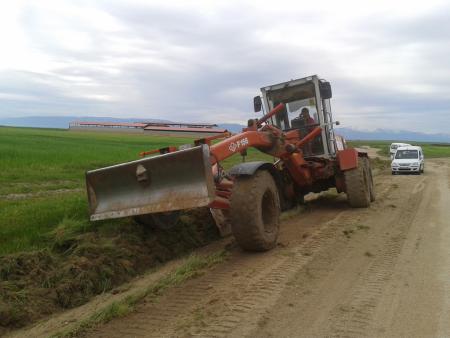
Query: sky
204	61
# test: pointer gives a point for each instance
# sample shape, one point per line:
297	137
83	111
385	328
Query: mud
36	284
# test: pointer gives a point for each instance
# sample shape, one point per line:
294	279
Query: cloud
204	61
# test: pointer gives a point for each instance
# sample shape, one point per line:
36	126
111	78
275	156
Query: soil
36	284
383	271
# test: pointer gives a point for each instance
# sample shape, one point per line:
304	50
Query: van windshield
406	154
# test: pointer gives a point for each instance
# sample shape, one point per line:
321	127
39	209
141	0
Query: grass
430	150
38	156
192	267
42	162
25	223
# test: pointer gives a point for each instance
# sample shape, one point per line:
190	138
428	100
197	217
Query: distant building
108	126
150	128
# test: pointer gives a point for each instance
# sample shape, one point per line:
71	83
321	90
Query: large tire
255	211
358	186
368	169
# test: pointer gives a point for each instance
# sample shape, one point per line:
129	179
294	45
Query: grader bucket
168	182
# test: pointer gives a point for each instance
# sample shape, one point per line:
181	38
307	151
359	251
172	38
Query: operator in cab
304	121
309	121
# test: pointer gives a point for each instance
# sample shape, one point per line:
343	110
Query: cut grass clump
64	234
88	259
348	233
362	227
380	164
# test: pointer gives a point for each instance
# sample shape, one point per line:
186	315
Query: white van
394	146
408	159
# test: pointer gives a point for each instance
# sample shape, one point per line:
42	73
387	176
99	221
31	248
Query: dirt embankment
36	284
377	272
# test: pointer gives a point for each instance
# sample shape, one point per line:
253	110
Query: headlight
414	164
394	164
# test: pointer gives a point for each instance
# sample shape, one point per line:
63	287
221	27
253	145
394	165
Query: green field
430	150
42	178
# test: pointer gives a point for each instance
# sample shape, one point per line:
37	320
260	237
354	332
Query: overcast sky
203	61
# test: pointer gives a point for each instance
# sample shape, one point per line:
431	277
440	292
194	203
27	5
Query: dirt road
377	272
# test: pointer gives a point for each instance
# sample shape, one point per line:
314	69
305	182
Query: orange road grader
248	198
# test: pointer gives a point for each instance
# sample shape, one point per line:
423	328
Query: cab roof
400	144
409	148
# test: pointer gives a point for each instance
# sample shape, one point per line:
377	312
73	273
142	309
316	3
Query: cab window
406	154
294	109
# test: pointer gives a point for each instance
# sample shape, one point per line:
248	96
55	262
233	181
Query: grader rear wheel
358	185
368	169
255	211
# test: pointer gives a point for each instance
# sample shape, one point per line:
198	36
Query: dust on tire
368	169
358	186
255	211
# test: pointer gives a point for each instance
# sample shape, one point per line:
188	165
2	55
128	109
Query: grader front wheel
255	211
358	184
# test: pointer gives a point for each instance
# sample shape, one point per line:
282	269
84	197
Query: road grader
247	199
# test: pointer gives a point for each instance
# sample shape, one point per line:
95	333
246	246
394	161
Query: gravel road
337	272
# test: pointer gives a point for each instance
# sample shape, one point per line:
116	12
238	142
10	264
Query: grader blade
172	181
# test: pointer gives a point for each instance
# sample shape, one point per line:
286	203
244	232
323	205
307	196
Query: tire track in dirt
363	274
243	289
235	297
355	321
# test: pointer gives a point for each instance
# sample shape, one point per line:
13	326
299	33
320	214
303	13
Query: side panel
348	158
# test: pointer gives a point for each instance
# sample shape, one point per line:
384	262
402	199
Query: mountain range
349	133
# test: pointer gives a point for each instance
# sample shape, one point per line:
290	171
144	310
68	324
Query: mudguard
250	168
348	158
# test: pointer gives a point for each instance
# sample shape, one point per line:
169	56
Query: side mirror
325	90
257	103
